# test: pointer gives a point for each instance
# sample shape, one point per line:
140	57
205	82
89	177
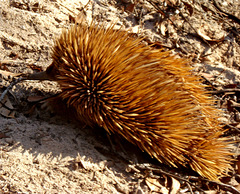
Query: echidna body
148	96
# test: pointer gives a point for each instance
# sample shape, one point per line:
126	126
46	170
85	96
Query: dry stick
227	187
194	29
83	8
222	185
232	127
226	90
157	7
66	8
189	187
209	82
148	167
185	19
10	87
162	12
230	16
35	76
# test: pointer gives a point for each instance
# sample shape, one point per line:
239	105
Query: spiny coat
146	95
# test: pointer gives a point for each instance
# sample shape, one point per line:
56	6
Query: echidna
146	95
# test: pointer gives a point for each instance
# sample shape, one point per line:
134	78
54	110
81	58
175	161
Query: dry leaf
207	75
135	29
171	2
175	186
79	163
4	111
155	186
130	7
80	18
205	37
189	7
84	2
163	28
205	8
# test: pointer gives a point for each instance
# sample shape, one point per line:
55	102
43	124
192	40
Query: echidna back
148	96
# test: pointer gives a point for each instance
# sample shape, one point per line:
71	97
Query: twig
180	13
9	87
185	19
230	16
162	12
226	90
189	187
223	186
67	8
208	81
226	187
232	127
157	170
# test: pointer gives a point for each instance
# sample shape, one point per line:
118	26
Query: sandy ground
41	152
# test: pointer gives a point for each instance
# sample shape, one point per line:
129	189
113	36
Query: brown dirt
41	152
